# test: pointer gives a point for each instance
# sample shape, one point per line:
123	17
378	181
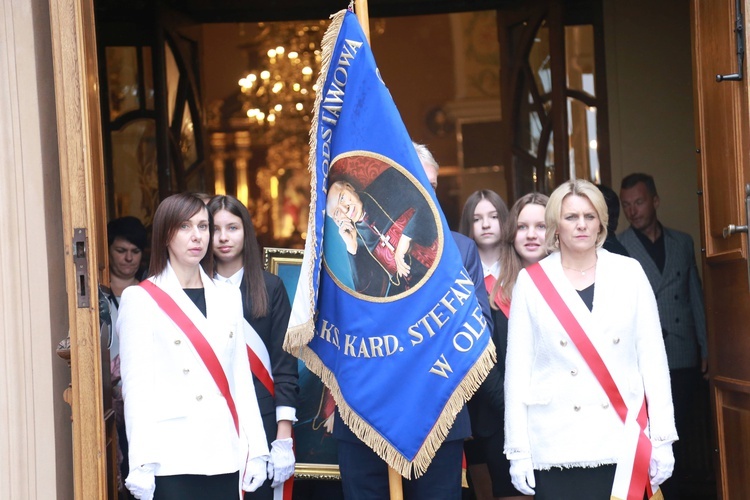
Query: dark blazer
470	256
612	244
487	406
678	295
272	329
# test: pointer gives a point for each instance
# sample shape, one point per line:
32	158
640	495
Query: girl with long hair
521	244
482	220
266	314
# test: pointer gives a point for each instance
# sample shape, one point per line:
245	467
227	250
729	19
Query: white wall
35	441
649	84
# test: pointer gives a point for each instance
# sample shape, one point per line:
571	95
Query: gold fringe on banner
416	467
302	332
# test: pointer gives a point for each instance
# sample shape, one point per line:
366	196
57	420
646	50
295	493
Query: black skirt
575	483
197	487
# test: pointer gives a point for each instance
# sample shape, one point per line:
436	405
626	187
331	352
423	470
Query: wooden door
153	124
532	75
85	243
553	94
722	143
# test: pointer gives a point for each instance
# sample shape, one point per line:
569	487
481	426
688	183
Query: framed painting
315	447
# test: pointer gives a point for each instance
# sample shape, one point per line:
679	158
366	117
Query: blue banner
385	312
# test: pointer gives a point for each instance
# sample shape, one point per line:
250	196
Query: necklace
582	271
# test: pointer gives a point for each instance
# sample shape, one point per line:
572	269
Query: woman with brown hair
192	420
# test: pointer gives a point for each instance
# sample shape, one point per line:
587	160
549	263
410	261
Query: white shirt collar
234	279
494	269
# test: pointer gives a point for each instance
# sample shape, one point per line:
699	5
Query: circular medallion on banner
383	236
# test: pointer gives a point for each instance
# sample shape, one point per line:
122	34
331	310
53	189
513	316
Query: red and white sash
201	345
260	359
260	365
631	476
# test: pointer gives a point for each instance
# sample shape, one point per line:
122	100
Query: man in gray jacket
668	258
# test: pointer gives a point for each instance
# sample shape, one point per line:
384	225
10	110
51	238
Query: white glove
255	473
141	482
662	464
522	475
281	464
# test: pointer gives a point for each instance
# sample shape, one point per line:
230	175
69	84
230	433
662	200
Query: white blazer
556	413
175	415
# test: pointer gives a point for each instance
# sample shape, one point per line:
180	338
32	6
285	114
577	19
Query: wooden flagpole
395	484
363	16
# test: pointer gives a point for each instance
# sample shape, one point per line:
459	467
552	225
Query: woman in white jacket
188	438
567	435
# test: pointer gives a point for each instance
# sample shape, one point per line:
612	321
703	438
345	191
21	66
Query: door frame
83	214
723	168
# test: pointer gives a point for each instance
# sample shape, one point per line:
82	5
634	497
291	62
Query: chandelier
278	95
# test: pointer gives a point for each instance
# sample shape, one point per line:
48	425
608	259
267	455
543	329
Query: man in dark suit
668	258
363	473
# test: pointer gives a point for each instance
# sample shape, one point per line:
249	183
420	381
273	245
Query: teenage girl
483	217
266	309
522	244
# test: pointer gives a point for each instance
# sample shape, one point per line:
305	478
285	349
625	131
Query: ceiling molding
232	11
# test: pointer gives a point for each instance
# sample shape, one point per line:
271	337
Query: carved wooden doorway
722	143
553	84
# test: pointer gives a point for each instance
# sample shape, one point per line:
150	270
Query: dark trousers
196	487
264	492
577	483
364	475
686	384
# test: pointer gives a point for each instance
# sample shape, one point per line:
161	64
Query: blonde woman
585	352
